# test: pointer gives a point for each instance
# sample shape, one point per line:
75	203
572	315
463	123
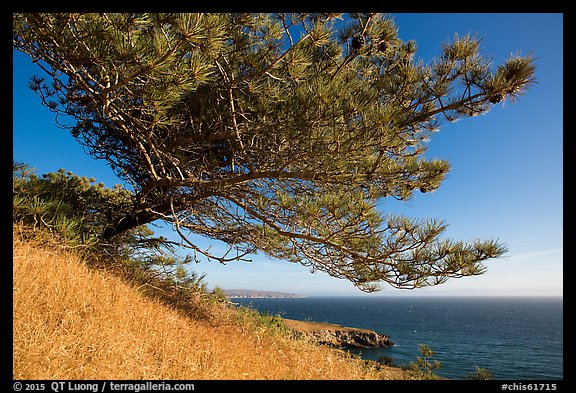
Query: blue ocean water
512	337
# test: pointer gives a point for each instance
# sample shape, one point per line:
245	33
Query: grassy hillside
72	321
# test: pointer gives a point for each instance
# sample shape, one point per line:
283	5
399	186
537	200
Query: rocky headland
257	294
339	336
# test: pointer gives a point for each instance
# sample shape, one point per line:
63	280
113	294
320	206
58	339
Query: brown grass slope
76	322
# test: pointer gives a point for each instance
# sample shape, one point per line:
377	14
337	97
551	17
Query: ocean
519	338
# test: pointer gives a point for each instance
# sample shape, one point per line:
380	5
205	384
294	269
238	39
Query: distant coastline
257	294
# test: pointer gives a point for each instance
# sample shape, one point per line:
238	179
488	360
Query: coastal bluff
339	336
257	294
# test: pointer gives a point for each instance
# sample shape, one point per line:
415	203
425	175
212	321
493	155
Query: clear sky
505	183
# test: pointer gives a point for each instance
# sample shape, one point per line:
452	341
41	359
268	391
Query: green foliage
76	210
72	206
271	132
261	322
387	361
219	294
274	322
480	374
424	366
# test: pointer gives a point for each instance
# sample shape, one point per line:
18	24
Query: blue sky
505	183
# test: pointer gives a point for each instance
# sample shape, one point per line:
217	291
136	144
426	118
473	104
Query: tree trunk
129	221
144	214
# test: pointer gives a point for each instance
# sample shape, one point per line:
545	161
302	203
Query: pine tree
272	132
424	367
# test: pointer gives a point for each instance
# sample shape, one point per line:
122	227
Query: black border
566	7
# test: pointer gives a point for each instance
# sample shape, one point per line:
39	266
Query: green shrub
424	366
480	374
387	361
77	210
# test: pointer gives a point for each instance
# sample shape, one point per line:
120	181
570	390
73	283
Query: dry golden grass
76	322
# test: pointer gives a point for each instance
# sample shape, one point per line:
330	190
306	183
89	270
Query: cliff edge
338	335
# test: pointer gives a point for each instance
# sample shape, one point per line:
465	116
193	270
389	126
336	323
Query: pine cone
357	42
382	46
496	98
